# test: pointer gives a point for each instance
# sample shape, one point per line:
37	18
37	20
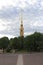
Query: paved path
20	60
8	59
33	59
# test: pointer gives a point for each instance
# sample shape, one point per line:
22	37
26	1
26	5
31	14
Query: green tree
4	42
15	43
29	43
11	43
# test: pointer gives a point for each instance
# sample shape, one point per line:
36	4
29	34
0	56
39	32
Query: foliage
4	42
30	43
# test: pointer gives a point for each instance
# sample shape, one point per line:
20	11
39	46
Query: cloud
28	33
17	3
32	11
32	2
2	25
9	13
41	3
6	35
10	27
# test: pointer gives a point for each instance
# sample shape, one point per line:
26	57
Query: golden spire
21	26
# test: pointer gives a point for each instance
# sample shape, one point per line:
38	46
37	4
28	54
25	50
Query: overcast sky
32	14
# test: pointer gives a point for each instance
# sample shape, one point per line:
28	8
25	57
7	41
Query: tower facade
21	28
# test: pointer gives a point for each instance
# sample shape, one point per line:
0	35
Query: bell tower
21	27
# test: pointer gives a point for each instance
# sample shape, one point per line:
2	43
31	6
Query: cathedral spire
21	26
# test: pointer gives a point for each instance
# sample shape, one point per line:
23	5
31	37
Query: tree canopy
31	43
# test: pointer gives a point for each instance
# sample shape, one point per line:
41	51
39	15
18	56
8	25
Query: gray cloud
9	13
31	15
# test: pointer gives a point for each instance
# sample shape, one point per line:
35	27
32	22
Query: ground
21	59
